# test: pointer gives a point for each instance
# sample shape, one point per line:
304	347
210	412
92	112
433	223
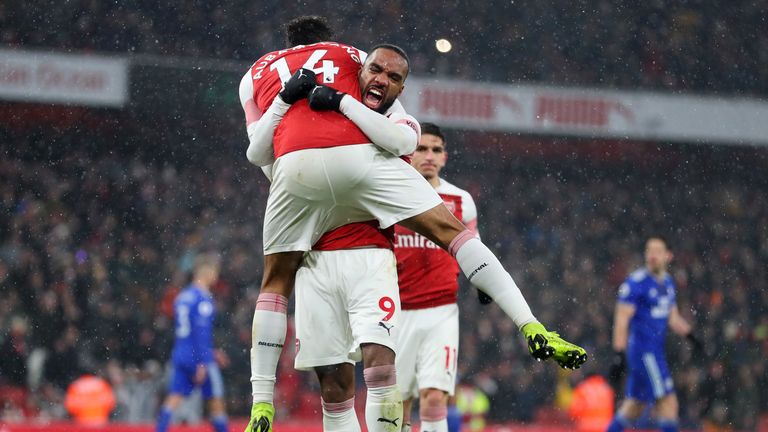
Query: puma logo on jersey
387	328
474	272
385	420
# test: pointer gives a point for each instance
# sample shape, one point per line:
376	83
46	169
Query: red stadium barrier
239	425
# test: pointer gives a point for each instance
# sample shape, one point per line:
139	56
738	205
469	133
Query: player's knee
433	405
667	406
377	355
631	409
434	398
380	376
173	401
337	382
216	407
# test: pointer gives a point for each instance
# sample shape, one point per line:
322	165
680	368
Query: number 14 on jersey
325	67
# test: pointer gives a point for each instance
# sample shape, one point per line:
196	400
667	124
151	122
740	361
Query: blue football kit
649	378
193	317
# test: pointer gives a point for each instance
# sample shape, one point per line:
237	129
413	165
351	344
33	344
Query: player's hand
200	374
617	369
298	87
324	98
483	298
221	357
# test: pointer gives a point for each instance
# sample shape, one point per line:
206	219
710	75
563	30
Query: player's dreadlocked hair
395	48
432	129
307	29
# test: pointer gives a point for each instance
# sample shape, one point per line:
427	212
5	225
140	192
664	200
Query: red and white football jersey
337	66
428	275
356	235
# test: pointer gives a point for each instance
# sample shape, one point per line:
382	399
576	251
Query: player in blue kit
193	354
646	306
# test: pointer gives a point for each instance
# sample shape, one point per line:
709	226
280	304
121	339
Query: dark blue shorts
649	378
183	376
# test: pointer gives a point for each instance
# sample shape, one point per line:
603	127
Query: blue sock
454	419
617	424
219	423
163	420
668	425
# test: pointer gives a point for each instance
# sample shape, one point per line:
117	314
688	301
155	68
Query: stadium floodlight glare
443	45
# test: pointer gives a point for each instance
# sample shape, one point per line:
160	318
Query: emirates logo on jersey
414	240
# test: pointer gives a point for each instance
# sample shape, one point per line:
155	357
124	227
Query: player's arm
398	134
682	327
260	128
677	323
621	317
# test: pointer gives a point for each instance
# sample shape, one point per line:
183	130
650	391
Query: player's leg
320	307
394	192
407	407
373	307
409	338
643	386
484	270
270	323
171	403
213	391
666	400
667	409
337	389
629	410
433	410
300	199
383	406
180	386
437	363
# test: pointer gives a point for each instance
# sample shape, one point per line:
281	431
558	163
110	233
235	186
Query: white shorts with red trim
345	298
427	350
316	190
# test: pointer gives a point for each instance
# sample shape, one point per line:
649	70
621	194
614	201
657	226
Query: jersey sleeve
252	112
398	135
469	214
629	293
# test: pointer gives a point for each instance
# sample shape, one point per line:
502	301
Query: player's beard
385	106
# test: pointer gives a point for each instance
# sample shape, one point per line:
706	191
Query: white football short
427	350
343	299
316	190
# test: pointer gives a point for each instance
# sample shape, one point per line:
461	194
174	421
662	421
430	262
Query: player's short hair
432	129
401	52
661	237
308	29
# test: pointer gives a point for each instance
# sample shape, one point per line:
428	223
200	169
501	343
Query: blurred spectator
592	404
89	400
14	351
678	45
94	235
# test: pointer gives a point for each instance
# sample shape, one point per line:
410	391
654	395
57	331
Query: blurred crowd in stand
97	238
703	46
